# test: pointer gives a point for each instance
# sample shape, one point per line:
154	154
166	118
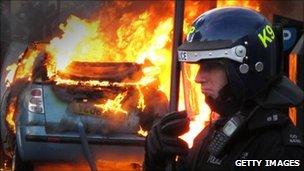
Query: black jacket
268	135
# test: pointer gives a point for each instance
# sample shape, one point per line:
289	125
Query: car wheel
7	136
18	164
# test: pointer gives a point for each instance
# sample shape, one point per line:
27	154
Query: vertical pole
177	40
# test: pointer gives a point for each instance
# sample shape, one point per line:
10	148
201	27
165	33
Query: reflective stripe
236	53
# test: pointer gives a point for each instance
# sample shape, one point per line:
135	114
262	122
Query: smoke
290	9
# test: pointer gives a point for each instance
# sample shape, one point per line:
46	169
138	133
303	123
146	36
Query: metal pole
177	40
175	69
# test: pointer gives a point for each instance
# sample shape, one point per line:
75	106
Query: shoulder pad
291	136
266	118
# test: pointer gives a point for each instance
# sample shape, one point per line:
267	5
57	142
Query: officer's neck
226	104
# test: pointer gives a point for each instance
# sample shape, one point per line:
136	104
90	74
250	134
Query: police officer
237	51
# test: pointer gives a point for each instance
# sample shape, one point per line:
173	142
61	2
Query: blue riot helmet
241	37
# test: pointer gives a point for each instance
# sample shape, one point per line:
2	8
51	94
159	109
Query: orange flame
293	77
132	41
11	113
83	41
142	36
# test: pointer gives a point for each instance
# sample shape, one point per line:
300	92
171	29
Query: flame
115	105
82	40
11	113
23	69
139	37
181	100
293	67
293	77
85	41
197	109
243	3
200	112
11	70
25	66
141	102
142	37
142	132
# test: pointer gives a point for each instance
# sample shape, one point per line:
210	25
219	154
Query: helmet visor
236	53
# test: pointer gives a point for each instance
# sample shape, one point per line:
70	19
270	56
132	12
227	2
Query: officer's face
212	77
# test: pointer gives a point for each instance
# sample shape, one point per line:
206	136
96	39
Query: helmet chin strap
225	104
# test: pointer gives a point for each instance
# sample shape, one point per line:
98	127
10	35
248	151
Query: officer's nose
201	76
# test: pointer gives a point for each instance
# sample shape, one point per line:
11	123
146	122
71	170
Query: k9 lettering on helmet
266	36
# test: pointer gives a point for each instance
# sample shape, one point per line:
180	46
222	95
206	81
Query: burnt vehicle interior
130	79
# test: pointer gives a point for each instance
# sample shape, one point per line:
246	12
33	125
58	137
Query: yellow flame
11	70
200	112
81	41
115	105
23	69
181	100
60	81
197	125
158	53
10	114
141	102
25	66
96	83
142	132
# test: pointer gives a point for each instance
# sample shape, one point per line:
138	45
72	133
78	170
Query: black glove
162	142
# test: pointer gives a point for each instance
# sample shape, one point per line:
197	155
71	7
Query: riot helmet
244	40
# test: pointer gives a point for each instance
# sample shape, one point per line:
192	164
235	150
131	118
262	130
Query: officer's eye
211	65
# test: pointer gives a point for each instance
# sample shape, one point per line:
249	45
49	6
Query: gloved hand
162	142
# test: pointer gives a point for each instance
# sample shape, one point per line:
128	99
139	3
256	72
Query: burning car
82	96
85	112
95	88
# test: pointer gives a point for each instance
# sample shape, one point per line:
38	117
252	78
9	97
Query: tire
18	164
7	137
2	156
